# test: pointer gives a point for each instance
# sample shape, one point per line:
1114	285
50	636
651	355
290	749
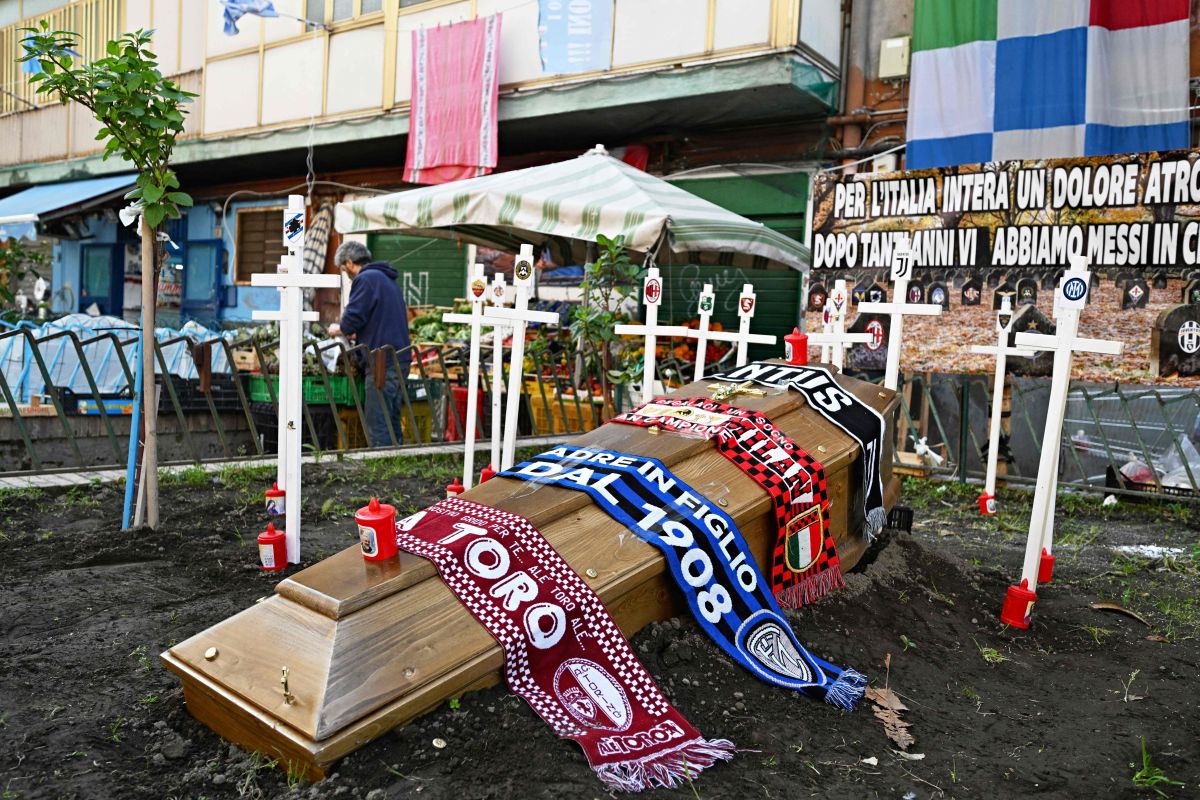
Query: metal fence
66	395
1115	439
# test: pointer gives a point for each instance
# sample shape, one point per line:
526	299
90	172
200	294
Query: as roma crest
523	270
746	304
805	539
478	287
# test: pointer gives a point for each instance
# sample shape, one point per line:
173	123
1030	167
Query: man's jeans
383	405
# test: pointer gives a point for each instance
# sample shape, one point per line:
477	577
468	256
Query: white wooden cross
519	316
743	336
1004	321
701	334
833	339
1069	300
902	261
291	280
477	293
652	292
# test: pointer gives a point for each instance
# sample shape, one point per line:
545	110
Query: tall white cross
1069	300
652	292
519	316
902	267
704	309
833	339
477	291
1004	322
291	280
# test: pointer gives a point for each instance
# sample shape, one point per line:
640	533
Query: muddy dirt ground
86	710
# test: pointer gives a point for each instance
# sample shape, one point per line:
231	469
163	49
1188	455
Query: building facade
729	97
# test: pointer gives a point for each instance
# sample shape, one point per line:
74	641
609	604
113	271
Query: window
259	241
342	10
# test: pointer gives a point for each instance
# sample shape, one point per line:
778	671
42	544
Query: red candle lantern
377	530
795	347
272	549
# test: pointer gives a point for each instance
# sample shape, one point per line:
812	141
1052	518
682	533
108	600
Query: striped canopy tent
568	204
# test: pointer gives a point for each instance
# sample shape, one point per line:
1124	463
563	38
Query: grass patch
1149	776
990	654
189	476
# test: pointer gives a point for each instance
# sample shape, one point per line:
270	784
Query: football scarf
563	653
804	561
861	423
708	559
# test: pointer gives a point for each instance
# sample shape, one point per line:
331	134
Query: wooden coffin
369	647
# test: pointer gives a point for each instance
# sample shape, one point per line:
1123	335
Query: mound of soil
86	711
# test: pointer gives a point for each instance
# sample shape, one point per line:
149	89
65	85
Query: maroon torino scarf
804	561
563	653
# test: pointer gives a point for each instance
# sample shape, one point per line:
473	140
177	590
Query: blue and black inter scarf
707	557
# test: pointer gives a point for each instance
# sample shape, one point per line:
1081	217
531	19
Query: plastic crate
314	389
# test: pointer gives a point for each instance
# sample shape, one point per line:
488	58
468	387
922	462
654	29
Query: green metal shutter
775	199
431	271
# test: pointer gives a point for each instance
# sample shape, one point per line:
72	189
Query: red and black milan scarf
563	653
804	560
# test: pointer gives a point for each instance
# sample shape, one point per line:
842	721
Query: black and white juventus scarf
861	422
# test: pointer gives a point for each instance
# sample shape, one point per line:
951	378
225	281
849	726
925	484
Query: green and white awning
573	201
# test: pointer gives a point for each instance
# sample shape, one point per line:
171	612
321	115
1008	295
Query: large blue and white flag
236	9
575	35
998	80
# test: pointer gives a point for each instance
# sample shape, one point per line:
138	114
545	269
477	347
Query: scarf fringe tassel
812	588
665	770
876	519
847	690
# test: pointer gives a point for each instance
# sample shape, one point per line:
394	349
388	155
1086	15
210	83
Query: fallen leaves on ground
887	708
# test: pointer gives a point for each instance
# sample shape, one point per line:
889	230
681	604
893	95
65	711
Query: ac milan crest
653	292
875	328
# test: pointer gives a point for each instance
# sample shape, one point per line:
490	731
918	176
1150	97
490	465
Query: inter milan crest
523	270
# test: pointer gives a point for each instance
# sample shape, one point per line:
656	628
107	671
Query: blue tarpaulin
20	213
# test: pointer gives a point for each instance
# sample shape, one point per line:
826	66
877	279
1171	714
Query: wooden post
149	477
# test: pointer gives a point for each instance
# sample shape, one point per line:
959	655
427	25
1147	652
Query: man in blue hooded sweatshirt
376	316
